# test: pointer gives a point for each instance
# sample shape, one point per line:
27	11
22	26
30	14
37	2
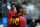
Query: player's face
24	10
13	6
33	20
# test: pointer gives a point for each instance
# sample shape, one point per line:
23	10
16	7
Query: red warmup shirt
22	21
10	14
17	22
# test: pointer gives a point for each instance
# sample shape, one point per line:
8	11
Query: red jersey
22	22
9	15
17	22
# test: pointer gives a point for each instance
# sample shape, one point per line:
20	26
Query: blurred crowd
6	6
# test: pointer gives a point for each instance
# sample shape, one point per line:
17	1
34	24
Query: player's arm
22	23
8	16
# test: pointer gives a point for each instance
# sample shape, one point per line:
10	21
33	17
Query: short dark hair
18	7
12	4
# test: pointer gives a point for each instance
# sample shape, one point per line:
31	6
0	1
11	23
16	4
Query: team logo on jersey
16	21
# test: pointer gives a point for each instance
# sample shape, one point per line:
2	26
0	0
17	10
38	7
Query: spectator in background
8	5
6	8
33	24
38	25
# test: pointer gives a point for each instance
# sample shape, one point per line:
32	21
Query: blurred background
33	10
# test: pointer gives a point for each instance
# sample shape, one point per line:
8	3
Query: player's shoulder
9	11
15	11
21	18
